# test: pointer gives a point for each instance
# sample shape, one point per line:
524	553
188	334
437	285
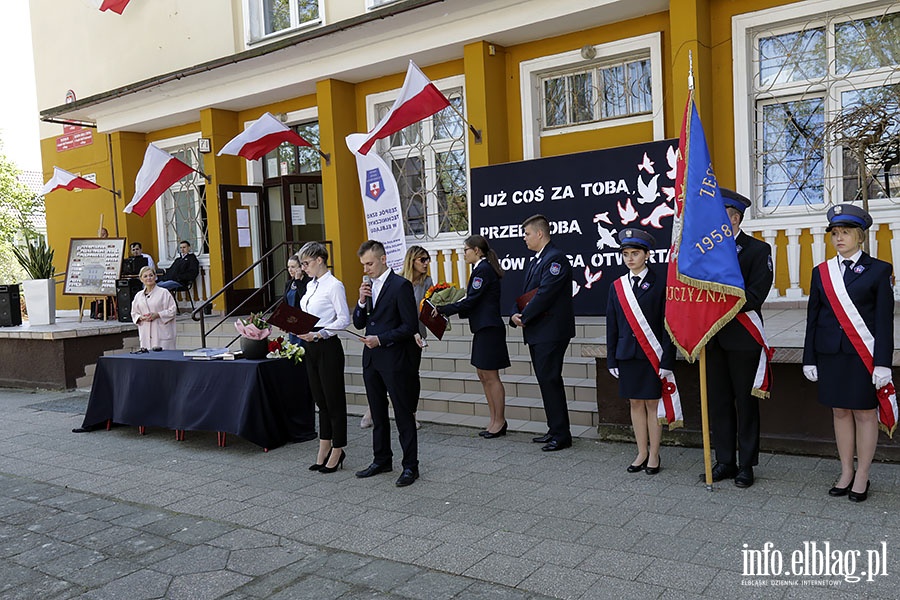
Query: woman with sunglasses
481	307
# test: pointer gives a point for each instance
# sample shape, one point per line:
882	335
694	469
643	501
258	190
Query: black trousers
733	410
399	384
325	366
416	381
548	363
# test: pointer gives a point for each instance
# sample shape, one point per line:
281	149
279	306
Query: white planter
40	300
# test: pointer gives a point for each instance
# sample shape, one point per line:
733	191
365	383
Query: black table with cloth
260	400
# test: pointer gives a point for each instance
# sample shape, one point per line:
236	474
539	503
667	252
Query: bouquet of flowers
281	348
253	328
442	293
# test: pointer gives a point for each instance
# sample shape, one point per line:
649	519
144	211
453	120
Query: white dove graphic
647	192
660	212
669	192
672	159
575	288
604	216
607	238
646	164
590	278
627	214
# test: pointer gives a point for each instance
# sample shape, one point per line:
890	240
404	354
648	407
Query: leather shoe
373	469
858	496
542	439
500	432
653	470
407	477
636	468
841	491
744	478
721	471
553	445
482	432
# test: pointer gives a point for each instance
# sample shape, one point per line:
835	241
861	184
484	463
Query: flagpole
325	157
704	400
476	133
112	176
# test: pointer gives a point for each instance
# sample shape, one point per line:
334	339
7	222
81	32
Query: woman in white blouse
326	299
153	310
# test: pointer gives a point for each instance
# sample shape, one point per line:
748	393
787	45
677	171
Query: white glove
614	373
881	376
811	372
665	373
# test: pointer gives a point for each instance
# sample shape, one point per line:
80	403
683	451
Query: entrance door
243	219
295	214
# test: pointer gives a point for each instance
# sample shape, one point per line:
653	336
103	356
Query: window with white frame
607	85
268	17
373	4
181	210
824	94
429	161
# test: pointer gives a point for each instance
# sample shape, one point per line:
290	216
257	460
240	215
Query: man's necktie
847	264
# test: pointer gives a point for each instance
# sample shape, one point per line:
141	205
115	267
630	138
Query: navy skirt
489	352
844	382
638	380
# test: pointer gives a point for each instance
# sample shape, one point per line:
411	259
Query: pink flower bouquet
254	328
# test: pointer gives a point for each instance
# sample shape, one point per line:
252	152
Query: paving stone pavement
116	515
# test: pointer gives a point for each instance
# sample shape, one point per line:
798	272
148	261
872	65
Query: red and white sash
860	336
762	382
669	409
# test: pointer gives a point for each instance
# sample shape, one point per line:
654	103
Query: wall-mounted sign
74	137
204	145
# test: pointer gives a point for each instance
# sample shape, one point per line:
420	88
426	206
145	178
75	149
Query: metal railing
199	313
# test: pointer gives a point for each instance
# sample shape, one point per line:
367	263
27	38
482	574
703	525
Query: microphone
368	280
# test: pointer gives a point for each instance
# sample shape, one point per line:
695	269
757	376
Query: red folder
436	325
292	319
523	300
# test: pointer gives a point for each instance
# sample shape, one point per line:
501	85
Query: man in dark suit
183	270
733	358
387	311
548	323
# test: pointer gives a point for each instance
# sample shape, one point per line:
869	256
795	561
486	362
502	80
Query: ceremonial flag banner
117	6
159	171
261	137
381	202
419	98
705	288
62	179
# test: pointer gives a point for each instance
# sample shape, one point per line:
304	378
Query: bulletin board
93	266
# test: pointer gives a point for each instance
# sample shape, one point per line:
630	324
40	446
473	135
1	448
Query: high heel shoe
653	470
502	431
637	468
339	465
317	466
859	496
841	491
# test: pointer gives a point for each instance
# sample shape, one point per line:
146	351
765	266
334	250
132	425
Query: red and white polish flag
62	179
261	137
159	171
117	6
419	98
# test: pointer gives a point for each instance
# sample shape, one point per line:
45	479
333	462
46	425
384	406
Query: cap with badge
848	215
734	200
636	238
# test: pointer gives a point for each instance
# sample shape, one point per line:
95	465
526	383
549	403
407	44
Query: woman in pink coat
153	310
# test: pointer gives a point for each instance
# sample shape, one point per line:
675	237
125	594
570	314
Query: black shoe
841	491
542	439
653	470
553	445
407	477
636	468
721	471
501	432
482	432
374	469
317	466
858	496
340	464
744	478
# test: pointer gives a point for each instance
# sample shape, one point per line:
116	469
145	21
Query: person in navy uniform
388	360
733	357
482	307
626	359
831	359
548	323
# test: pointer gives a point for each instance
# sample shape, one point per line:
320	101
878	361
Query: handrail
198	314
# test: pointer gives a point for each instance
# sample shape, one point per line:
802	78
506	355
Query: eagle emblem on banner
374	184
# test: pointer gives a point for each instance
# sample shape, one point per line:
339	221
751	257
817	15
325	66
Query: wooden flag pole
704	418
